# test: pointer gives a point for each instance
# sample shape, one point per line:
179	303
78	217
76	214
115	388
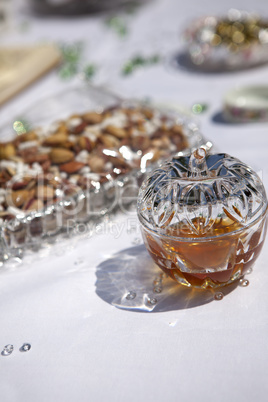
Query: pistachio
118	132
61	155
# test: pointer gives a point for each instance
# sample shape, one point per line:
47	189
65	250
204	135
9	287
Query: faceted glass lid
201	195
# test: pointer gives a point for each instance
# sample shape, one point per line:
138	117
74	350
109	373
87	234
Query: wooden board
21	66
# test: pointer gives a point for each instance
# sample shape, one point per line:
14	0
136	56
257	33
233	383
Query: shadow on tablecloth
130	280
181	61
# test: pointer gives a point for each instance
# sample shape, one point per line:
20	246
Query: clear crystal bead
8	349
152	301
131	295
25	347
244	282
218	296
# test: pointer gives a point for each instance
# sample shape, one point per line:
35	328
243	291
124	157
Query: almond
177	129
16	158
118	132
67	144
29	136
19	197
45	192
61	155
76	125
7	150
163	143
140	142
85	143
40	158
166	142
148	113
179	141
118	162
140	127
156	154
28	152
55	139
46	165
61	128
71	167
157	143
96	163
33	205
31	184
18	185
109	141
93	118
11	171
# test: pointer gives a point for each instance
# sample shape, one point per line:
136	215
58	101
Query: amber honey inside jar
206	237
207	262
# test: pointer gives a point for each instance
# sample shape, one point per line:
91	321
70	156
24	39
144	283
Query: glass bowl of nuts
203	218
237	41
77	156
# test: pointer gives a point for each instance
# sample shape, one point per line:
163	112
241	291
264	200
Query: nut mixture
37	166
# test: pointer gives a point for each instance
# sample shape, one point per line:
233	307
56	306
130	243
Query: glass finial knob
198	164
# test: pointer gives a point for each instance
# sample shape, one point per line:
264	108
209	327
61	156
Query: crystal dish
247	104
73	190
203	218
236	41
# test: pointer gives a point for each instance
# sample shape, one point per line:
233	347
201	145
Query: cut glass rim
200	239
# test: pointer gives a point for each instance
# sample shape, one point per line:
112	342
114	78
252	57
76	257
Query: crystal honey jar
203	218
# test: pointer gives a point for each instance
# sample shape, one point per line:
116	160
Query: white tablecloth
62	299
